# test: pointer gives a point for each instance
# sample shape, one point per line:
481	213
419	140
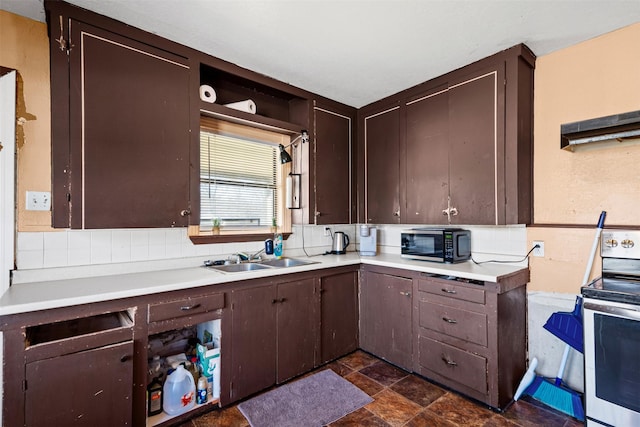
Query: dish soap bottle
277	245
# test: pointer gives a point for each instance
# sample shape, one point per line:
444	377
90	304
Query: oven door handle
629	311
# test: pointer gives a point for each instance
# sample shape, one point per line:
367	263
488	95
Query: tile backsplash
77	253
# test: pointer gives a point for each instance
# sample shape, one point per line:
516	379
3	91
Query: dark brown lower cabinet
89	388
339	315
472	336
89	364
273	335
253	341
386	317
296	333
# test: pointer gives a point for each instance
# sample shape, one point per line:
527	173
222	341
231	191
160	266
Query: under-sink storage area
184	331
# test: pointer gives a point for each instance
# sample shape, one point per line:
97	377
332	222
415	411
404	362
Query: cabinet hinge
65	44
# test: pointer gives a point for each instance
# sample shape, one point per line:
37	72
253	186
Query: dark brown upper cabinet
451	144
332	162
464	147
379	165
120	125
427	165
125	119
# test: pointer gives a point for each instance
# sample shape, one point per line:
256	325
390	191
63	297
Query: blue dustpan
567	326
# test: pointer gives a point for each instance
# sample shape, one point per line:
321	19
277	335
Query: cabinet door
296	308
89	388
382	166
339	315
474	142
385	317
333	167
427	166
129	130
253	343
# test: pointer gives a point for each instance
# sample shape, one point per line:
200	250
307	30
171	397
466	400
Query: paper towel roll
207	94
247	106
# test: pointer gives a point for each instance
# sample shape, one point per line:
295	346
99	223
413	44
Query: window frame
284	216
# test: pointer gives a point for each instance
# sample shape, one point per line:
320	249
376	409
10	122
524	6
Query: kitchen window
241	180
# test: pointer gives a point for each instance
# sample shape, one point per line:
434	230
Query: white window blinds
238	179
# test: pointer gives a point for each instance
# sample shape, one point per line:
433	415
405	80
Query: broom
555	394
567	327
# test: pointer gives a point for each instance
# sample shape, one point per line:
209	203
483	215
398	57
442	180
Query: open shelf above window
276	109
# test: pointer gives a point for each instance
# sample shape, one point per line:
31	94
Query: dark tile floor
403	399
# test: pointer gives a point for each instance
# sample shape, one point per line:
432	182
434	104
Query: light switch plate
38	200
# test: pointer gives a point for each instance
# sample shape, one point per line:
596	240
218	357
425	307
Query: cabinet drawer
451	290
456	322
185	307
458	365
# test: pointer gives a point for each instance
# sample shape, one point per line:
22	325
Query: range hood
603	130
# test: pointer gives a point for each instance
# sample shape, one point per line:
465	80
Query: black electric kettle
340	243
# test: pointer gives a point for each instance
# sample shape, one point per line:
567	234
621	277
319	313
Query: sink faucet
256	255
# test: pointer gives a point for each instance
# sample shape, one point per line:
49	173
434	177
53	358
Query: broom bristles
557	397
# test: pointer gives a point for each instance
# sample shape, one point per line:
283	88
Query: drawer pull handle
448	291
406	294
448	320
276	301
189	307
125	357
449	361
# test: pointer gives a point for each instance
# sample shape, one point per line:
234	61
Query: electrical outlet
539	251
38	200
327	231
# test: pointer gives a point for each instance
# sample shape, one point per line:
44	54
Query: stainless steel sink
236	268
261	265
287	262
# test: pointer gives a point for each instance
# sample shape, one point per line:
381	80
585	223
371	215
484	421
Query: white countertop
26	297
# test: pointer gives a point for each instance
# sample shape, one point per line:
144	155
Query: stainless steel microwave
449	245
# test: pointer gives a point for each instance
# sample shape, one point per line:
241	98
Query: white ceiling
358	51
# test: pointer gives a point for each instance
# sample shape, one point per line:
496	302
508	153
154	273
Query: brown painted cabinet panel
452	143
253	342
386	317
462	367
471	337
296	328
427	170
274	335
473	146
382	166
339	315
120	124
460	143
130	120
89	388
333	165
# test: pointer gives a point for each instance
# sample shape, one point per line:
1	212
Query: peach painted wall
25	48
595	78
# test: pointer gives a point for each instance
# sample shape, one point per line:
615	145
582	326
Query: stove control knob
627	243
611	243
